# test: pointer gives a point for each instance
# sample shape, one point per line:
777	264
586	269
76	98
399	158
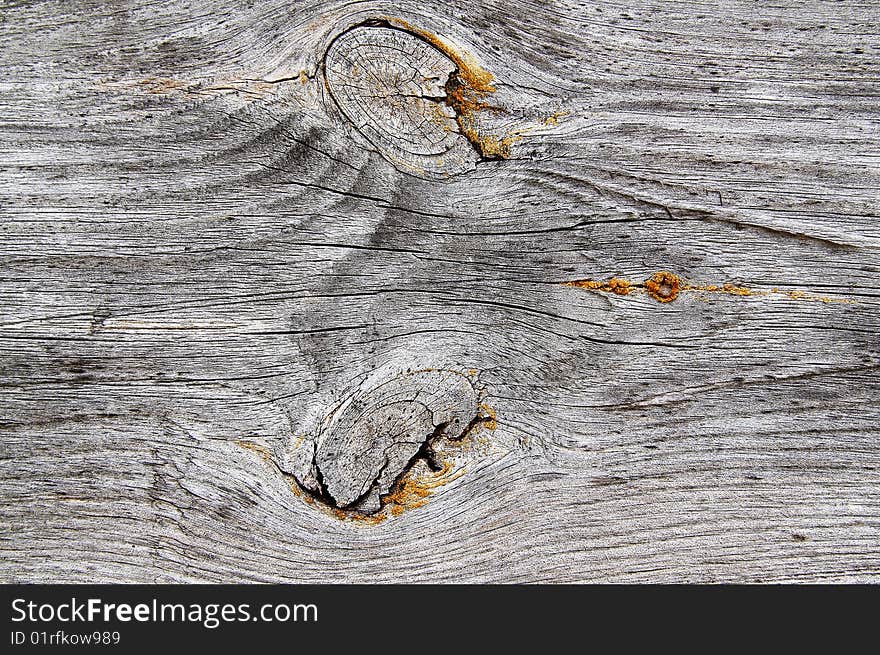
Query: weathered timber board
205	262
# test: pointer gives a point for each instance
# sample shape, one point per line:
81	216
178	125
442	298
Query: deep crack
427	454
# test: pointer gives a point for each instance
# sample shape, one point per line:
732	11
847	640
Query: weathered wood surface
212	268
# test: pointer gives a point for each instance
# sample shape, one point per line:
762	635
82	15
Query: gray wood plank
215	274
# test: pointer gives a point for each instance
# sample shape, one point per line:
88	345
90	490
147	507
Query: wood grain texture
204	256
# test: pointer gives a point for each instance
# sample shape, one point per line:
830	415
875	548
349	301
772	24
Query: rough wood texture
216	254
392	86
375	435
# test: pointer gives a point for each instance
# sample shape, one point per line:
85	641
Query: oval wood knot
391	85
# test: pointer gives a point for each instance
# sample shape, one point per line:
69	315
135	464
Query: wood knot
407	97
358	458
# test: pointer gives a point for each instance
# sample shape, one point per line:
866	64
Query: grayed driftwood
420	291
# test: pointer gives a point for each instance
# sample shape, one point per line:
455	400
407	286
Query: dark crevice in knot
381	438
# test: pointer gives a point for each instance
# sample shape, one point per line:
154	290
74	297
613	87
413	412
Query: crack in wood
382	439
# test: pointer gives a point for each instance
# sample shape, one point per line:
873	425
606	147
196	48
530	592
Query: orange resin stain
366	519
490	417
805	295
727	288
615	285
412	492
555	117
478	79
665	287
261	450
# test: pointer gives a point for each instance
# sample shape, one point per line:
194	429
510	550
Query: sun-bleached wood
205	251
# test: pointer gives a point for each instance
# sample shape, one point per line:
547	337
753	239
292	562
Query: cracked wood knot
403	94
374	437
